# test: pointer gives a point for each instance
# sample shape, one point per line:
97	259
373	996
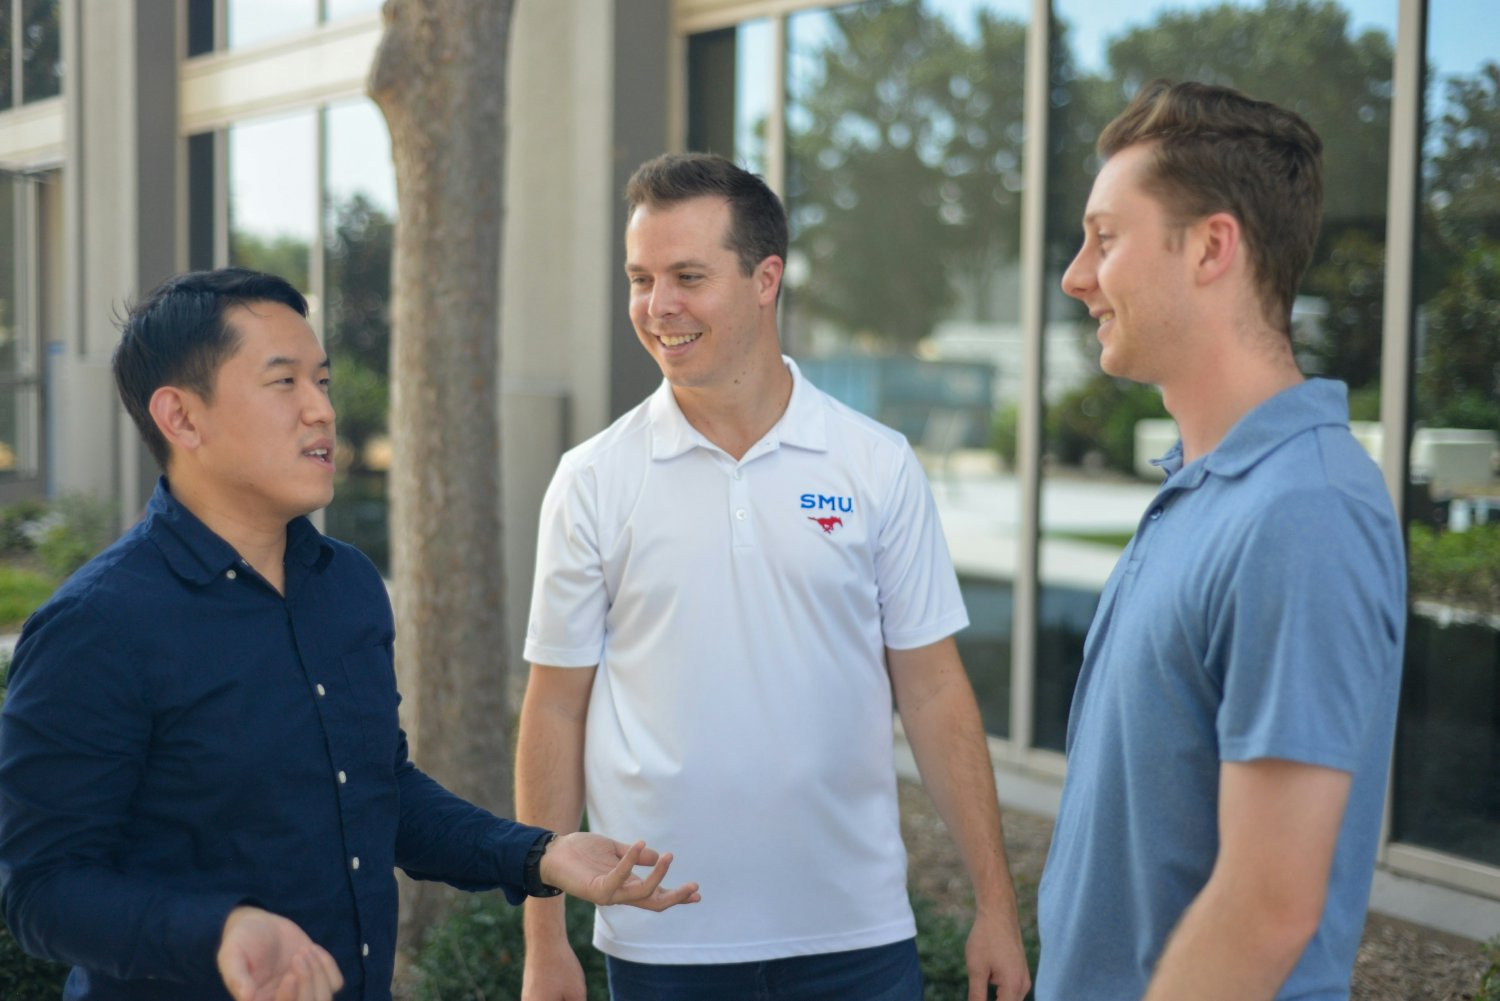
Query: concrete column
121	180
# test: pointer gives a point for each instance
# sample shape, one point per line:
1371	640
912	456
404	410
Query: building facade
935	156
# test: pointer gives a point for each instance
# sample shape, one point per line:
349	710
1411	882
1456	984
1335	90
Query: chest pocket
370	680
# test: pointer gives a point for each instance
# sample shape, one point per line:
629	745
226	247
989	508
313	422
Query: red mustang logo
828	524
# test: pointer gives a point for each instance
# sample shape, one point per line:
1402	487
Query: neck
737	415
259	539
1211	398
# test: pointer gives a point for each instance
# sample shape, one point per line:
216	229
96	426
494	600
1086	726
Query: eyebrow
283	360
1090	218
687	265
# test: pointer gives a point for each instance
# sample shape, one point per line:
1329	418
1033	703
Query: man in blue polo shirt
1232	724
203	784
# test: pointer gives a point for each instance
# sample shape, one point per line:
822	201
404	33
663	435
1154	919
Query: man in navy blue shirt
204	788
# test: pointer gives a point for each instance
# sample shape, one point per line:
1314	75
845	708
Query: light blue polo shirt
1259	612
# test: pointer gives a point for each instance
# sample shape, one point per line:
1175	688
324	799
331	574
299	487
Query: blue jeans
882	973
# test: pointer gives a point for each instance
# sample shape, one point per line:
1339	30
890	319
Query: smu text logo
827	502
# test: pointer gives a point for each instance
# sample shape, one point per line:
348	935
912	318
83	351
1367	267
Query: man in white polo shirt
734	581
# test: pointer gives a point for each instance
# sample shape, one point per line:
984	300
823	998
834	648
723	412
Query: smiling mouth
323	455
677	340
1104	318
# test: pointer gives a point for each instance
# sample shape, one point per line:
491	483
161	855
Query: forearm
1229	946
443	837
549	775
947	739
128	929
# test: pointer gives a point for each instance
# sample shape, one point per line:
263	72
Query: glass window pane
904	134
7	50
729	92
337	9
41	42
273	203
200	26
1331	62
358	229
250	22
1447	777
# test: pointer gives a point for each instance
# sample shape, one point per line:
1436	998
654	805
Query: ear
173	411
1218	246
768	279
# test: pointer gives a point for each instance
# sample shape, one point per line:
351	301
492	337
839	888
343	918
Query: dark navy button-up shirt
178	738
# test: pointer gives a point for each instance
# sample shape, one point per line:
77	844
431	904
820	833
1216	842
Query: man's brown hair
758	226
1216	150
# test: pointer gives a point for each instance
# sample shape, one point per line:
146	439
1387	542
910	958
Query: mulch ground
1397	961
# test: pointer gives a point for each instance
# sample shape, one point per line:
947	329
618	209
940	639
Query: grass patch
22	591
1118	540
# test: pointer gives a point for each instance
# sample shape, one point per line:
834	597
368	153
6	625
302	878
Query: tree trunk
439	78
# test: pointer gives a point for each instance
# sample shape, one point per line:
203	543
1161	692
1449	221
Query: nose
317	407
1078	280
662	300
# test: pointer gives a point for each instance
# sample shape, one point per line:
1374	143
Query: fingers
329	969
615	881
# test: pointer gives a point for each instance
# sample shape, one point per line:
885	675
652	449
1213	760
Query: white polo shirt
741	716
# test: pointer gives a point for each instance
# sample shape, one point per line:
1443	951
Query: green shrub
72	532
1489	980
478	953
25	978
1460	568
1098	419
16	521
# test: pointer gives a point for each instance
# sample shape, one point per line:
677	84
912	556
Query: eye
688	278
637	281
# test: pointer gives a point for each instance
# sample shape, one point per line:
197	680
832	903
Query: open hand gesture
601	870
265	957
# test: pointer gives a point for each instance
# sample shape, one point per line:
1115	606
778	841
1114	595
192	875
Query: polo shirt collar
803	425
1307	405
196	554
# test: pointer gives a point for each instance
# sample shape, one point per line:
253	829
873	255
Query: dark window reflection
1447	779
358	228
7	51
41	49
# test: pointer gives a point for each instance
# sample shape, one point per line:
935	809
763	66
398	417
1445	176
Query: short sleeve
569	600
920	602
1308	633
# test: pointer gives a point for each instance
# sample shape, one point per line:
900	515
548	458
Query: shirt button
342	777
736	474
364	950
321	691
230	574
741	514
1155	513
354	862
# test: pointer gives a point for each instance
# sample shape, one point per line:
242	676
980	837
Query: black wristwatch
532	875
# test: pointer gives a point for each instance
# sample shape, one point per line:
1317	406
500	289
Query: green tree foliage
284	256
1300	54
358	270
906	153
358	321
1458	377
1463	182
1458	371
